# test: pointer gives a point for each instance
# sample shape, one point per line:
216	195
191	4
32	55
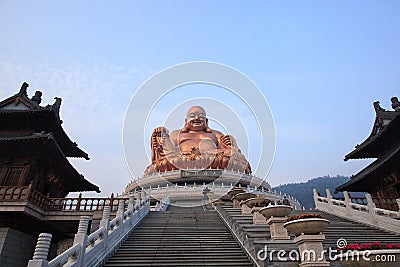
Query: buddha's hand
159	135
226	141
160	132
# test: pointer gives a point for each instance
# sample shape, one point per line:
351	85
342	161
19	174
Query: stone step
180	237
181	257
338	228
173	264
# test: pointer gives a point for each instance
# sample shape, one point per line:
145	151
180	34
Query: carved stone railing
382	203
95	249
228	176
196	190
362	213
28	194
163	204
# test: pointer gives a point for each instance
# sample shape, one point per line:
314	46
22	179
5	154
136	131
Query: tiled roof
378	168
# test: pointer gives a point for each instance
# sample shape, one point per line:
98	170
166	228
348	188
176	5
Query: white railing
367	214
163	204
196	190
227	175
94	250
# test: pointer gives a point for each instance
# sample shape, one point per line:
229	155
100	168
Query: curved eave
361	181
45	143
373	146
43	119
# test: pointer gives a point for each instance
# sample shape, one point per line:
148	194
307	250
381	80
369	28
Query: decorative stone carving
311	250
278	232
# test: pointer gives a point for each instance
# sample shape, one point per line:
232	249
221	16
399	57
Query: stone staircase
338	228
180	237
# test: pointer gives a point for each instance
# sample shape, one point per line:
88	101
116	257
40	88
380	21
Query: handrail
219	190
363	213
26	193
163	204
383	203
172	173
69	256
94	250
11	193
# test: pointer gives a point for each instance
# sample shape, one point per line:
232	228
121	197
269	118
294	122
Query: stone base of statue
278	232
311	250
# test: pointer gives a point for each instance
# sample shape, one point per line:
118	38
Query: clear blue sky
320	65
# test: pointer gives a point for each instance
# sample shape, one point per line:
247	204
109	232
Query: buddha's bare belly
202	145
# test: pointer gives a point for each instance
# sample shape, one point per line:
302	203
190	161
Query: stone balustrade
219	190
362	213
171	177
94	249
163	204
14	194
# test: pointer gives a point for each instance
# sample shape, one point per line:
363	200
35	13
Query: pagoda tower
381	178
33	169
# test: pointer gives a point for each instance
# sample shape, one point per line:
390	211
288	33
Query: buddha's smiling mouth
196	122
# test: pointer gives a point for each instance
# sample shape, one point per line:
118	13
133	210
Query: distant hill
303	192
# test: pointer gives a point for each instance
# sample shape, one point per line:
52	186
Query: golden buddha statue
195	146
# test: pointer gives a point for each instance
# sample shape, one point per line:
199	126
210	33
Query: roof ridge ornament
378	107
37	98
395	103
56	107
23	90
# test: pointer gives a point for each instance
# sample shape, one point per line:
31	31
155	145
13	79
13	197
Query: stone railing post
347	201
120	211
105	222
81	238
371	208
143	197
329	197
131	203
138	200
398	202
41	251
315	198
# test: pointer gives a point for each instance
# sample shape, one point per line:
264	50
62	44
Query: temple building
380	178
197	203
33	169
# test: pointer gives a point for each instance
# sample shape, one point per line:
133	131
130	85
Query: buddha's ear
185	129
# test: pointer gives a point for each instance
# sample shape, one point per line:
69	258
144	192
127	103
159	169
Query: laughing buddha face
196	119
